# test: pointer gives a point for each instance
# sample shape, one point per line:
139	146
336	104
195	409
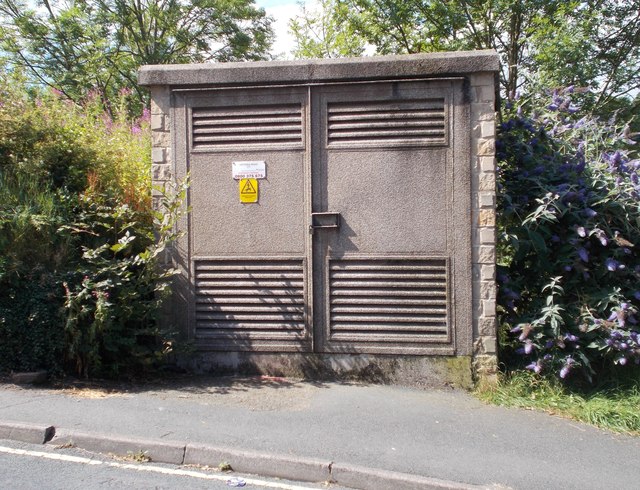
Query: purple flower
581	231
146	115
570	338
528	347
616	158
536	367
602	237
636	295
568	364
584	255
611	264
590	213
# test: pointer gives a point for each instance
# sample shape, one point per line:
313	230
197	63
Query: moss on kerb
459	371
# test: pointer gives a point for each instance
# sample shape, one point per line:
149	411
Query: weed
139	456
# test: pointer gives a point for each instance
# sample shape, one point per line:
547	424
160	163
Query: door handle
324	221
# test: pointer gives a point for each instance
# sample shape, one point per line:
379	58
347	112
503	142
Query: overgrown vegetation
569	222
612	405
80	279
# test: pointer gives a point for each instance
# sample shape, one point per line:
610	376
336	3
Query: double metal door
359	237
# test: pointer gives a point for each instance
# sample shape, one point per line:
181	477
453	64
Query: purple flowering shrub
569	241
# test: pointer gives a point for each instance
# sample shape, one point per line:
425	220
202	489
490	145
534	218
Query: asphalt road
27	466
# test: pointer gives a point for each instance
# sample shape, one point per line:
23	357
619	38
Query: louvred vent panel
261	126
387	123
238	301
382	300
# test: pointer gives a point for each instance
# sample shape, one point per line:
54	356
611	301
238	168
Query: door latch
324	221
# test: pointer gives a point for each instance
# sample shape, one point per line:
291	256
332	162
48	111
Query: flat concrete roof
321	70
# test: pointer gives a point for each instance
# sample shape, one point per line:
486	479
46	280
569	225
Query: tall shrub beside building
79	282
569	217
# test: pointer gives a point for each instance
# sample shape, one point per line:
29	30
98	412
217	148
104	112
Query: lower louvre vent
243	303
389	300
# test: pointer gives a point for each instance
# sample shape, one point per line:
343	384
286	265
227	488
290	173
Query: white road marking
148	468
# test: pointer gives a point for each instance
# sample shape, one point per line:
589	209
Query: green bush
114	294
80	279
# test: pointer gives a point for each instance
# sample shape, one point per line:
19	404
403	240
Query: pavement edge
31	433
265	464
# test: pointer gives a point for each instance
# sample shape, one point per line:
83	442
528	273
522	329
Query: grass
614	406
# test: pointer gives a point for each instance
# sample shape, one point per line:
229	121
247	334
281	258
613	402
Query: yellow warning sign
248	190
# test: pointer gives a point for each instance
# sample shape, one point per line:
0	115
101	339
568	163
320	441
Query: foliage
117	288
556	43
53	143
80	274
83	45
28	306
321	32
569	244
613	405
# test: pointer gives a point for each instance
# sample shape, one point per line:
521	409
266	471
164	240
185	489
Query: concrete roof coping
321	70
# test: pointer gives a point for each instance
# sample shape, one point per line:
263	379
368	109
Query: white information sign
249	170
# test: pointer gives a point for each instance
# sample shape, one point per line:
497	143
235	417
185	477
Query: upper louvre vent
240	302
387	123
260	126
389	300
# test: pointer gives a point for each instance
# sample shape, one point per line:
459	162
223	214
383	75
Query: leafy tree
76	46
321	33
593	43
